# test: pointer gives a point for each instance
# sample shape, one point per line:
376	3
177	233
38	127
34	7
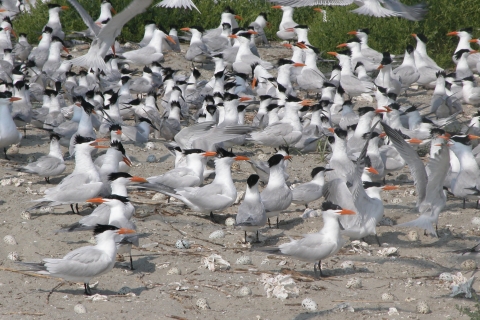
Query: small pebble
218	234
151	158
354	283
469	265
412	235
422	307
9	239
244	291
202	304
174	271
396	200
230	222
80	308
244	260
387	297
309	305
182	244
124	290
13	256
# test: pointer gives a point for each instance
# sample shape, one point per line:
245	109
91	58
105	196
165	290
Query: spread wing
87	19
305	3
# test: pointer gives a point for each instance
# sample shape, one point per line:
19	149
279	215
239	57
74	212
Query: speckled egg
218	234
309	305
387	297
80	308
412	235
354	283
14	256
244	291
25	215
422	307
9	239
469	265
244	260
202	304
230	222
182	244
174	271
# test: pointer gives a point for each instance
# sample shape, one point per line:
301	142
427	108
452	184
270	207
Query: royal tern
151	52
471	93
262	169
354	45
197	51
367	52
420	52
304	193
251	214
50	165
407	73
464	36
85	263
22	48
85	126
317	246
386	78
284	29
245	58
8	130
259	25
310	77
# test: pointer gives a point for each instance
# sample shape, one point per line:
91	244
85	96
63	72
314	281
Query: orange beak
66	50
138	179
252	32
185	29
237	158
377	111
238	17
388	188
276	7
446	136
301	45
242	99
171	39
473	137
119	132
372	170
96	200
342	45
101	147
414	35
40	38
352	32
414	141
382	135
233	36
12	99
317	9
254	83
380	67
14	33
307	102
290	29
473	40
125	231
113	10
346	211
127	161
288	157
473	51
331	130
332	53
287	45
101	139
298	64
210	154
453	33
65	7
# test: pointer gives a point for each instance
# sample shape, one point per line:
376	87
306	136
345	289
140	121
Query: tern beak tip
238	158
138	179
346	211
125	231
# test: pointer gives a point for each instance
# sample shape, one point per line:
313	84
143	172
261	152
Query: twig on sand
23	313
364	301
53	289
26	273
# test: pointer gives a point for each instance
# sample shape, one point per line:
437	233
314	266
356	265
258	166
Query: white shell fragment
239	198
422	307
159	197
469	265
461	285
124	290
354	283
215	261
244	260
182	244
80	308
412	235
387	252
13	256
25	215
311	213
244	291
97	297
309	305
387	297
229	222
280	286
393	311
217	234
174	271
476	221
347	265
202	304
235	166
9	239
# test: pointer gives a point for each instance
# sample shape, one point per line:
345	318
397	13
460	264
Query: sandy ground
410	276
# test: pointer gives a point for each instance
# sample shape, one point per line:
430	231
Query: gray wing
412	159
45	165
209	197
177	178
414	13
305	3
87	19
251	214
80	263
187	135
438	168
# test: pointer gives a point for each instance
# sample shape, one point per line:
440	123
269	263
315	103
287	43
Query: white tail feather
90	60
423	222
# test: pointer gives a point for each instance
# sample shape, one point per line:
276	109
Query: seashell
182	244
235	166
354	283
412	235
446	276
387	297
476	221
202	304
244	260
230	222
396	200
97	297
244	291
393	311
80	308
422	307
218	234
174	271
13	256
13	149
159	197
309	305
47	209
151	158
150	146
124	290
386	252
6	182
347	265
25	215
239	198
466	265
9	239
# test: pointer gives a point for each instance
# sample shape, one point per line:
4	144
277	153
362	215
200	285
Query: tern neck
277	177
55	150
119	188
223	171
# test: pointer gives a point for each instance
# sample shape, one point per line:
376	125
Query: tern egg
124	290
9	239
235	166
182	244
393	311
412	235
150	146
244	260
218	234
202	304
26	215
13	149
469	265
13	256
229	222
422	307
159	197
80	308
151	158
354	283
446	276
387	297
262	157
174	271
244	291
348	265
309	305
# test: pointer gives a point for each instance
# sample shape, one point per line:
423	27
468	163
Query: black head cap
274	160
368	184
342	134
252	180
117	145
81	139
115	175
142	119
422	37
364	30
467	30
101	228
364	110
409	48
192	151
328	205
317	170
222	153
459	53
54	136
